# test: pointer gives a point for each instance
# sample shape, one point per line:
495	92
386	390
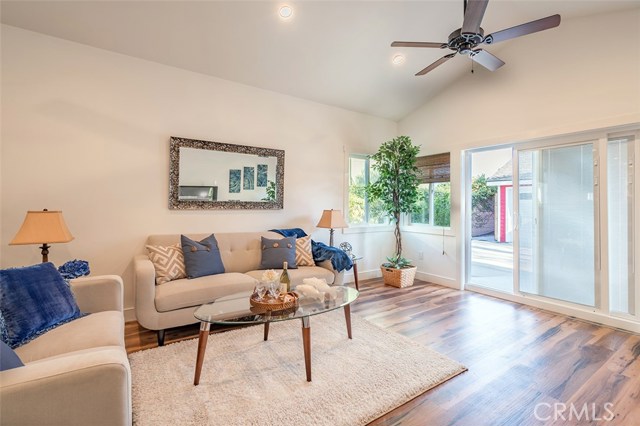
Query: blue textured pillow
8	358
33	300
201	257
276	252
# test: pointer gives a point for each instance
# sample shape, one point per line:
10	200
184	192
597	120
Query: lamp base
331	237
45	252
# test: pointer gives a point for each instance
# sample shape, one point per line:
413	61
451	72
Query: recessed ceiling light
398	59
285	12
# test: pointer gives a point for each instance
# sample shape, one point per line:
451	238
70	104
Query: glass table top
236	309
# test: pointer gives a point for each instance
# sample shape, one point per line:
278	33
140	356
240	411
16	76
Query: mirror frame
174	176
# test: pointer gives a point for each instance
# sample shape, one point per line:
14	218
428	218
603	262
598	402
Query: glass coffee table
236	310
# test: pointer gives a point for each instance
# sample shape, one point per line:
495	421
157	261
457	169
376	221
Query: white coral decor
319	285
270	275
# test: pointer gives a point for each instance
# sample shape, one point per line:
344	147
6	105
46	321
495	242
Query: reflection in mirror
213	175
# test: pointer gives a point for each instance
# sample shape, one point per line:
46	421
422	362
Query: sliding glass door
554	223
557	223
620	208
491	240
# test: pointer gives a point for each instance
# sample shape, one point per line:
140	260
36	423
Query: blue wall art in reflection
248	181
234	181
262	175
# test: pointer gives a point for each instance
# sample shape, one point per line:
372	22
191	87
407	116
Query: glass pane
557	223
376	215
620	224
442	204
491	263
421	214
357	182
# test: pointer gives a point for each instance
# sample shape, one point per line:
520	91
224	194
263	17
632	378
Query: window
361	210
434	205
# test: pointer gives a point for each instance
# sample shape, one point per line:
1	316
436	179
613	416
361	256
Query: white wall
86	131
582	75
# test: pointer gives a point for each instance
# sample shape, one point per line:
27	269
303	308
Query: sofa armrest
99	293
89	387
338	277
144	275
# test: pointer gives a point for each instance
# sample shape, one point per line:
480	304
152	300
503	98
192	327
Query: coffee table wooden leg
266	331
202	346
306	343
347	317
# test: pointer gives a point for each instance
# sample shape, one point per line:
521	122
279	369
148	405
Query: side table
346	247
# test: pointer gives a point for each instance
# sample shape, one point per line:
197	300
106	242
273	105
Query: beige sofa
172	304
77	373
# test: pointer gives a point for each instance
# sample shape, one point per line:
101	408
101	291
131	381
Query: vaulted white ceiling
333	52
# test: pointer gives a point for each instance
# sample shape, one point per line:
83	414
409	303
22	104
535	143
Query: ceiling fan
465	40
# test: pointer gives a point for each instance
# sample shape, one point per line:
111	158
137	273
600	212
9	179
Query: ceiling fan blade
524	29
436	64
473	15
418	44
486	59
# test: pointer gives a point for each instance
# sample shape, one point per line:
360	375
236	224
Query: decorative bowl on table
268	303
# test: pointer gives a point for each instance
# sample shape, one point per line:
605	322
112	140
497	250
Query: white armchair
77	373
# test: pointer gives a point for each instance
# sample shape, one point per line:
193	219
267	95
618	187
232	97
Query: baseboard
362	275
432	278
130	314
438	279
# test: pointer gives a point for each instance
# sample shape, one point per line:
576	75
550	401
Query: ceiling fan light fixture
466	40
285	11
398	59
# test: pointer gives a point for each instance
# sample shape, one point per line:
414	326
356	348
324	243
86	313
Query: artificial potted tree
397	191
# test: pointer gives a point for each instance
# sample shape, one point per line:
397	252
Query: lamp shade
40	227
332	219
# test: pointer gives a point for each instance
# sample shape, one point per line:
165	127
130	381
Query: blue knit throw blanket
339	259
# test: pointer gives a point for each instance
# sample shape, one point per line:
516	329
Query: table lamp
43	227
332	219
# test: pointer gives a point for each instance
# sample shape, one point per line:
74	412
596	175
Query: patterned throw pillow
168	262
304	256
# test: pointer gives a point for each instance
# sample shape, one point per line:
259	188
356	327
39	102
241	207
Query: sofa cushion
33	300
304	256
195	292
276	252
95	330
168	262
297	275
201	257
8	358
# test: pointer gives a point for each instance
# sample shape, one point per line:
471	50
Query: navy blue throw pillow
33	300
201	257
276	252
8	358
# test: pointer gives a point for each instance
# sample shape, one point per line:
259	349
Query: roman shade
434	168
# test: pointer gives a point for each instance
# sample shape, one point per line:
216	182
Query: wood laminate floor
526	366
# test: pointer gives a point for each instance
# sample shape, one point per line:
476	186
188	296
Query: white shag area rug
247	381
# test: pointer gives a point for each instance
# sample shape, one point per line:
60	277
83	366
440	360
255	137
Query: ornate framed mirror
213	175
